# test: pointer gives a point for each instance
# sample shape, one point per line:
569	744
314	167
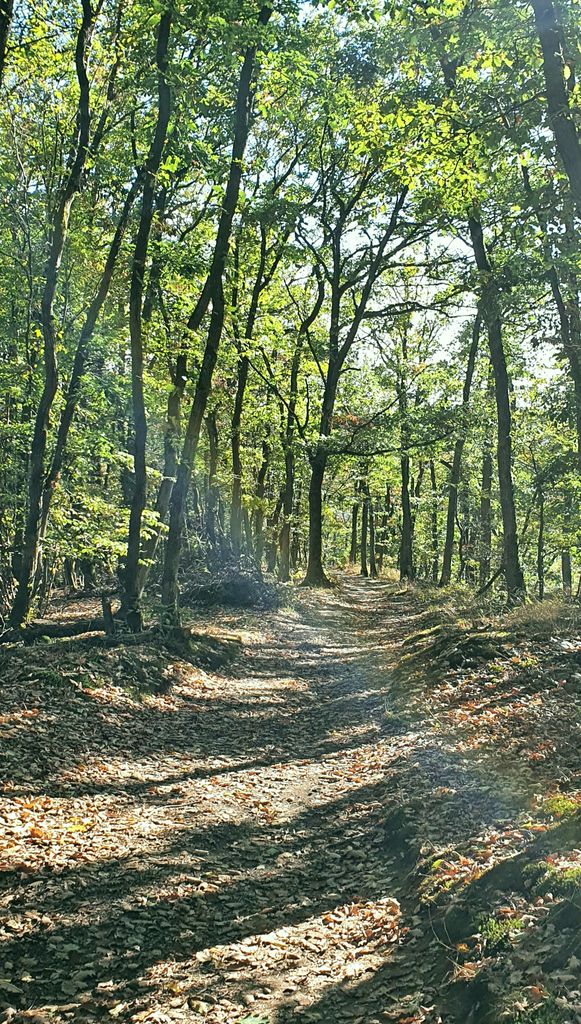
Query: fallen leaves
246	849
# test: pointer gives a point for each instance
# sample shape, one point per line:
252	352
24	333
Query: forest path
243	849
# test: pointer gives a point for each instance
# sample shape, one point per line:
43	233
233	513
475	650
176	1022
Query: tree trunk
215	290
69	577
541	543
364	531
30	548
6	8
295	552
337	354
170	465
372	558
457	459
79	363
132	597
272	526
485	516
241	382
569	321
354	528
213	495
236	505
434	522
385	524
565	292
406	565
258	518
178	375
87	567
490	309
561	114
286	546
315	574
287	509
566	573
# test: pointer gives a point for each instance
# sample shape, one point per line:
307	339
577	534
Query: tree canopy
288	284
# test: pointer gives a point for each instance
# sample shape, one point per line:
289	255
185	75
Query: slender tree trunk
490	309
337	354
6	8
571	339
79	364
152	289
462	546
287	510
485	516
246	522
416	488
406	558
213	289
178	376
385	524
131	598
315	575
457	459
295	551
565	292
406	565
541	543
566	572
561	113
171	440
213	496
364	532
286	555
372	558
272	526
434	522
260	283
354	529
236	504
259	512
60	226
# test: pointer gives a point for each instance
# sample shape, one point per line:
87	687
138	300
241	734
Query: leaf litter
297	837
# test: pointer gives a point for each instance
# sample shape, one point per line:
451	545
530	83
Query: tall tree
6	11
492	317
446	574
59	229
131	601
557	71
213	292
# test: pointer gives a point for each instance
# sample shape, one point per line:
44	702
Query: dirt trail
245	847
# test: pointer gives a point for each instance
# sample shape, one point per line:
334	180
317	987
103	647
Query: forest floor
313	831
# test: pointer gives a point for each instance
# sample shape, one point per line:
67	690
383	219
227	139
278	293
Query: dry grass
544	618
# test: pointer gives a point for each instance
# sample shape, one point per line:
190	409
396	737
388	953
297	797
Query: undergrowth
457	629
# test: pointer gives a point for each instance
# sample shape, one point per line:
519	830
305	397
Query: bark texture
457	459
131	600
60	226
491	314
561	116
213	292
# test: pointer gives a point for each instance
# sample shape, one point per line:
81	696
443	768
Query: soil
294	838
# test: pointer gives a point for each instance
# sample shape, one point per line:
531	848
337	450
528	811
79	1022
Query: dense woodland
290	284
290	529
